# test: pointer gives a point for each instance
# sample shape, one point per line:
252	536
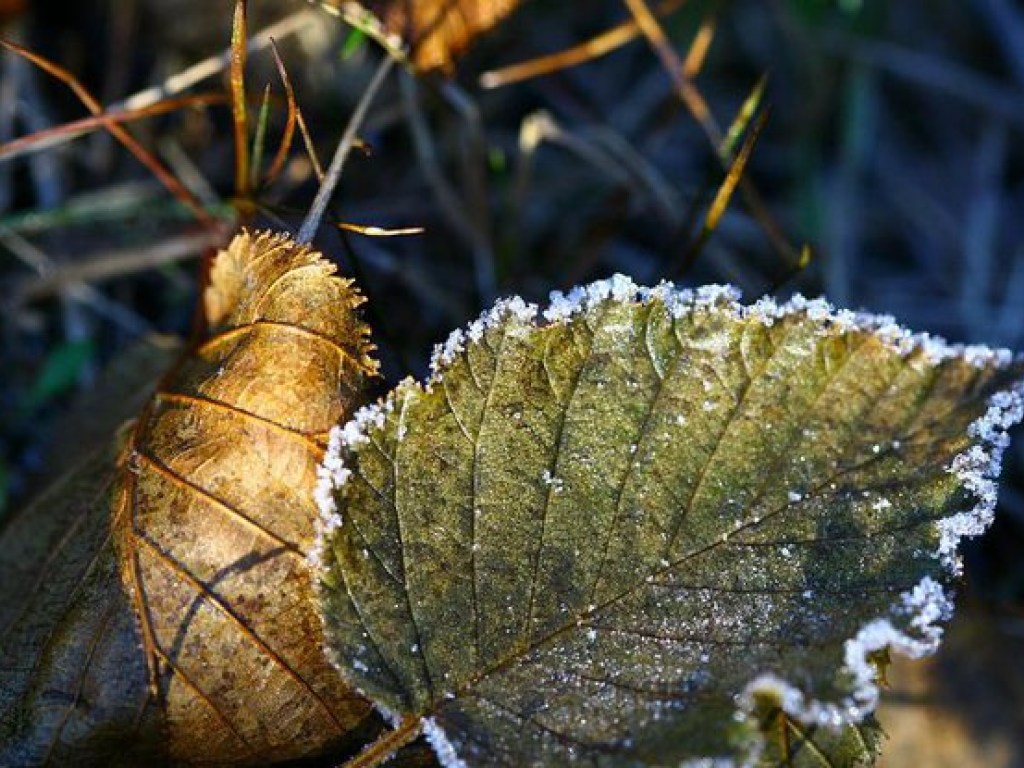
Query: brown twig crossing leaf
433	31
217	510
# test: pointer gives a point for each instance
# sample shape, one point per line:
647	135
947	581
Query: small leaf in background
354	40
435	31
658	527
60	372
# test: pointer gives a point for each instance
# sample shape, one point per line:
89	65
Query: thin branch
323	195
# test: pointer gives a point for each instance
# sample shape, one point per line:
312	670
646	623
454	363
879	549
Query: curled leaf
658	527
433	31
217	510
160	610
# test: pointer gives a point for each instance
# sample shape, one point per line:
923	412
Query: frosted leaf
601	552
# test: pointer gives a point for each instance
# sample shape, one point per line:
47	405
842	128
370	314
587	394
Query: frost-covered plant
653	526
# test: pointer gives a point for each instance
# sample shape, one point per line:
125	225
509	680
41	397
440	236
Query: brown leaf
435	30
157	608
217	510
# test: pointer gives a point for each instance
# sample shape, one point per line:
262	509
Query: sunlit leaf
164	612
643	530
218	509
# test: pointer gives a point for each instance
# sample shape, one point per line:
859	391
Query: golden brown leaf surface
216	511
436	31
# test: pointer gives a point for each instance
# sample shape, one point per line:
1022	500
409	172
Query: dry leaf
173	620
435	31
217	509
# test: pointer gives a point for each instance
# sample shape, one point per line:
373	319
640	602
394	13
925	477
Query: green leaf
354	41
60	372
630	533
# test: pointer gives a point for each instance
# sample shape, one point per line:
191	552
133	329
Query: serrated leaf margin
921	608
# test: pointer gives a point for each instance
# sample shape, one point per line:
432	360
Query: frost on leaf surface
658	526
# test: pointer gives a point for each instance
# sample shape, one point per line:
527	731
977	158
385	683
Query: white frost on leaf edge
920	608
443	748
927	603
513	307
332	473
978	468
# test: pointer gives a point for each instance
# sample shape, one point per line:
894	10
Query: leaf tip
979	466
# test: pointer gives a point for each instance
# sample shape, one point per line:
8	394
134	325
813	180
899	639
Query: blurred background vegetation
892	149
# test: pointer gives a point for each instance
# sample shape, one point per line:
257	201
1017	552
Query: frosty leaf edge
910	626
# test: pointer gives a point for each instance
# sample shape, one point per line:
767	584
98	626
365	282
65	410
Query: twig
725	191
121	134
277	164
182	81
474	163
596	47
323	195
239	116
674	66
682	76
40	140
39	262
444	194
89	269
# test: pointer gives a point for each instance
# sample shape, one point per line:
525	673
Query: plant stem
309	226
388	744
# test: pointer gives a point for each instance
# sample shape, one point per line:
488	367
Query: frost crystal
445	353
555	483
978	466
393	718
513	307
562	306
353	434
443	748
